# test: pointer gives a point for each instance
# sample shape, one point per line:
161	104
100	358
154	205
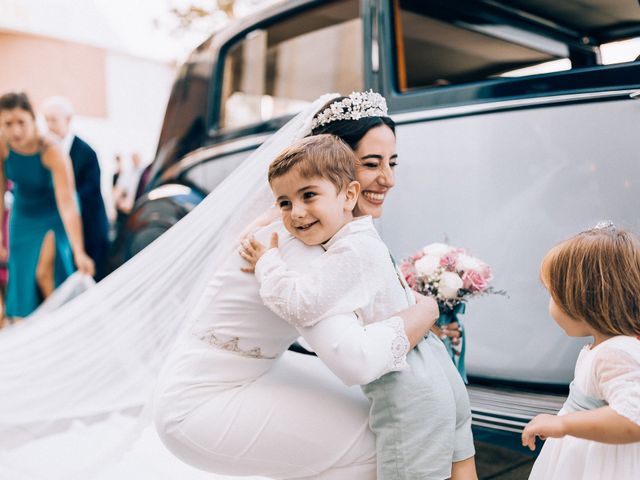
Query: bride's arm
419	318
265	218
360	354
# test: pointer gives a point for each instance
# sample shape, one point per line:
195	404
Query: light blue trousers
421	417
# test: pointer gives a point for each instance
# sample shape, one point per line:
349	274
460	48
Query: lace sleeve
399	344
359	354
333	284
617	375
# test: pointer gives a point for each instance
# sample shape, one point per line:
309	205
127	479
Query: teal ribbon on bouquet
449	315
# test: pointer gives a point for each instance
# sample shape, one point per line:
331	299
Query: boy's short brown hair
324	156
595	276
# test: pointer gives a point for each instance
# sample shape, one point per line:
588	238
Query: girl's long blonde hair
595	276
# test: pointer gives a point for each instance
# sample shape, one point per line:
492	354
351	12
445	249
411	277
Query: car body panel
503	166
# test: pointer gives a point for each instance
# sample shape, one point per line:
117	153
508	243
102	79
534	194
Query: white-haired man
58	113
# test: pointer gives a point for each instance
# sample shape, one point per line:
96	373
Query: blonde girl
594	282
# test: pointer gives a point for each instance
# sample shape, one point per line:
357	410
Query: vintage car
517	127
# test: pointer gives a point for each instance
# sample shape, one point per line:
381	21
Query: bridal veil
101	353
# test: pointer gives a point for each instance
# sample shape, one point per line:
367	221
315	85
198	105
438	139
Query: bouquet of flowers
452	276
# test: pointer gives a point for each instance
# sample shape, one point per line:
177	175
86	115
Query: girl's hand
251	250
84	264
543	426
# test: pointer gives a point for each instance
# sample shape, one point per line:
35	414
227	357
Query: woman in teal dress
44	218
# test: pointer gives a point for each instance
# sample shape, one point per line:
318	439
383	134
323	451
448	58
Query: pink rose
448	262
474	281
411	280
417	256
486	273
408	272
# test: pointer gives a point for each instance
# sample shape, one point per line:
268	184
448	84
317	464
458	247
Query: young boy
421	416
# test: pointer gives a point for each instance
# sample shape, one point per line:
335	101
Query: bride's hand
251	250
452	330
266	218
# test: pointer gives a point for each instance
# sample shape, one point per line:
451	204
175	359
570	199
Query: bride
228	405
95	361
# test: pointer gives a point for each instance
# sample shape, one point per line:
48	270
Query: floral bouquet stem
449	315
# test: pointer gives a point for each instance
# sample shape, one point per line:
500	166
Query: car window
622	51
208	174
432	51
277	70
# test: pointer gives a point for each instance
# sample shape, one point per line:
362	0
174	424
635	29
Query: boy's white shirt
355	274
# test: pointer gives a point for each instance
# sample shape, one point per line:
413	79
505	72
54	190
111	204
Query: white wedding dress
227	405
76	385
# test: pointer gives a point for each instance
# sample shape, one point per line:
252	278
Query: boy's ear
351	194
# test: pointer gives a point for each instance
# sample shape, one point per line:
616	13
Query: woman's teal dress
33	214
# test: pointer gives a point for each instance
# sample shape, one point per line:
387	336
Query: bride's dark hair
352	131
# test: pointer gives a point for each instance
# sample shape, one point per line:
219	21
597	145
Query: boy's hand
251	250
543	426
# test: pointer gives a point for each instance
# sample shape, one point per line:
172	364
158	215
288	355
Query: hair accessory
605	224
354	107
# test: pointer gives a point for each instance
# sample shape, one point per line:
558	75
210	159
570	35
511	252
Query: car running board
510	409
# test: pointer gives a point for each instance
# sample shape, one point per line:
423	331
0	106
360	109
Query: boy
315	188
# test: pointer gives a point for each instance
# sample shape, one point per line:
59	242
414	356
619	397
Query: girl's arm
64	187
602	425
617	376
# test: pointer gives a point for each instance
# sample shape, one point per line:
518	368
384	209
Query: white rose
437	249
466	262
427	265
450	283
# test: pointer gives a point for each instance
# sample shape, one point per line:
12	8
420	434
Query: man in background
58	113
126	187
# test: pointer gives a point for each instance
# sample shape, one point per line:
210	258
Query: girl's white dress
606	374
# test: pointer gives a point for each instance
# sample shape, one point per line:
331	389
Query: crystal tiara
354	107
604	225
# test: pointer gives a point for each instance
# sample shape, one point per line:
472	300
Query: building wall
119	99
44	67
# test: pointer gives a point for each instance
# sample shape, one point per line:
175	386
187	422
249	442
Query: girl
594	282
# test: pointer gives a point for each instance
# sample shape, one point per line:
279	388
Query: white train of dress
76	384
230	404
